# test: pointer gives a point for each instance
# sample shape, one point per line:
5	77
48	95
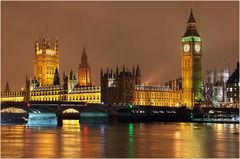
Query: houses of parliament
119	86
45	85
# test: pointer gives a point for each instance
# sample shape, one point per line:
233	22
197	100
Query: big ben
191	57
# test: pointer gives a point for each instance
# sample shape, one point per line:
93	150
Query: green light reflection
130	141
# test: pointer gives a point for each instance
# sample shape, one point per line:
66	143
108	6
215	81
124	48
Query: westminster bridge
45	113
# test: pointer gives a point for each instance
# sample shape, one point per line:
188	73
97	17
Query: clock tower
191	57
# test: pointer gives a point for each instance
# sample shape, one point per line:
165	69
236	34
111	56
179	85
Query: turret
101	72
44	44
65	81
133	71
48	46
138	76
56	46
71	75
7	89
107	72
71	81
56	80
64	76
174	85
36	47
117	72
111	73
138	71
123	71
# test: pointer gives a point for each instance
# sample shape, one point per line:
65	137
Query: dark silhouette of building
233	88
7	89
117	87
56	80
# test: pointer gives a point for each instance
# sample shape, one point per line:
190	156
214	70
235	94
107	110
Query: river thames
160	139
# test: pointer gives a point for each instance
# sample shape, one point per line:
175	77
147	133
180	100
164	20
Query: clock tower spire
191	57
191	26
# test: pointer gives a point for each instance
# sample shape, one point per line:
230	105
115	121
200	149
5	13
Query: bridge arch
70	110
93	112
13	110
36	114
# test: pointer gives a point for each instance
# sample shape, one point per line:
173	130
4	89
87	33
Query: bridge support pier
48	119
59	120
59	116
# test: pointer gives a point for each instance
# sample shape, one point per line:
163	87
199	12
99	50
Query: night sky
116	33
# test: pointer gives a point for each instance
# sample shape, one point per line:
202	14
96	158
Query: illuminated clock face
197	48
186	48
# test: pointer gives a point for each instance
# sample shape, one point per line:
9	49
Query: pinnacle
191	18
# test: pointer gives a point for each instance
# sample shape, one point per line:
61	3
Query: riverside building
122	88
45	86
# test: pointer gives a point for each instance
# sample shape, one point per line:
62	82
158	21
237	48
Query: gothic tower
191	56
84	71
46	60
56	80
7	89
138	76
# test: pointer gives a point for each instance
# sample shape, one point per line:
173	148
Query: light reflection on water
121	140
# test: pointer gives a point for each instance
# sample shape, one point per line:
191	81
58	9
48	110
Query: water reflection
12	141
102	141
74	140
130	141
70	139
193	142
